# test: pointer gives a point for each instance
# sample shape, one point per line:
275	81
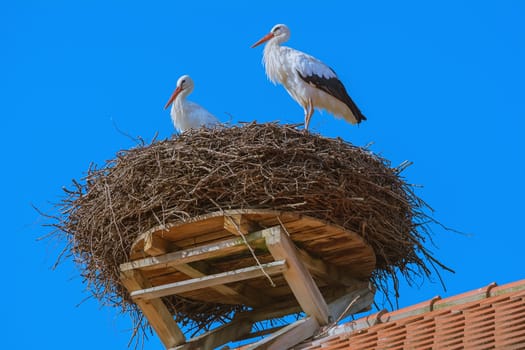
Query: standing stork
309	81
186	114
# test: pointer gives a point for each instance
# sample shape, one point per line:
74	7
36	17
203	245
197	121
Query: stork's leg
309	110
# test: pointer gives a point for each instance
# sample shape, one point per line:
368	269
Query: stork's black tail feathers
334	87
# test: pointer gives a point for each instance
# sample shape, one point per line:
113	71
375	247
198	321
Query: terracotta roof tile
492	317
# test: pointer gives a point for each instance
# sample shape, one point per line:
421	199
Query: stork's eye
182	82
276	29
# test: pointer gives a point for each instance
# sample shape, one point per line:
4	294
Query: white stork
309	81
186	114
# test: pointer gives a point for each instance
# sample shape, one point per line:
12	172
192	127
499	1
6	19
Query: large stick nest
262	166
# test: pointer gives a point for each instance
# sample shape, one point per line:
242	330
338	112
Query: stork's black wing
334	87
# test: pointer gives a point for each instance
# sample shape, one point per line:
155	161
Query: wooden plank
194	226
224	290
288	336
206	251
351	303
236	223
234	330
155	311
284	218
330	273
260	333
310	231
273	311
255	297
297	276
155	245
296	332
203	224
200	239
209	281
181	230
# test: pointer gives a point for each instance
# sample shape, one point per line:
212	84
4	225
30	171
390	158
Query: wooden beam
238	328
235	295
209	281
297	275
305	328
155	245
327	272
351	303
282	309
155	311
238	223
228	292
206	251
273	311
288	336
260	333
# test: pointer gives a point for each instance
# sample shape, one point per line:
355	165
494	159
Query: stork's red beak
173	96
263	40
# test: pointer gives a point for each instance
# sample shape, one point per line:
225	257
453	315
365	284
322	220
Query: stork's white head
184	88
279	34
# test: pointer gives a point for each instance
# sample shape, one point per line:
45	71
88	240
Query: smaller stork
309	81
186	114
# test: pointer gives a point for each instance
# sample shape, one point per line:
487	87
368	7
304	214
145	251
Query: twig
334	324
282	225
238	229
134	139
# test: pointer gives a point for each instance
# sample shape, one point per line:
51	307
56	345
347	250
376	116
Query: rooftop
486	318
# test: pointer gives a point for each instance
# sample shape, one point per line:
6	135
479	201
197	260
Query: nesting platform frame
233	257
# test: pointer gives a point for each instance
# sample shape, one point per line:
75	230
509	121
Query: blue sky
442	85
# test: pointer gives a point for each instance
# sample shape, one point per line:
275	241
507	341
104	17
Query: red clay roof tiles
492	317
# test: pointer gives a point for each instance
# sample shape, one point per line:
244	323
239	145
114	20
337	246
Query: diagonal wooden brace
299	279
155	311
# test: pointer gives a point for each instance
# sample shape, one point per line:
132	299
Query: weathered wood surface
308	326
201	252
288	336
234	330
210	280
258	258
299	279
334	256
155	311
332	243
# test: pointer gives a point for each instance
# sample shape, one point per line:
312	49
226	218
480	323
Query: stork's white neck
272	61
180	102
181	99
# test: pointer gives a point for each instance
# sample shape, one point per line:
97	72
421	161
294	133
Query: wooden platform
277	263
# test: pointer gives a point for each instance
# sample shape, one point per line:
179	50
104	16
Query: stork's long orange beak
263	40
173	96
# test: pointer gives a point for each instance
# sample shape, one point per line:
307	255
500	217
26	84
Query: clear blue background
442	85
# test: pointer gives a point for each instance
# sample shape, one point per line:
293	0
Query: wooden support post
297	276
305	328
351	303
261	333
273	311
156	312
288	336
234	330
211	280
